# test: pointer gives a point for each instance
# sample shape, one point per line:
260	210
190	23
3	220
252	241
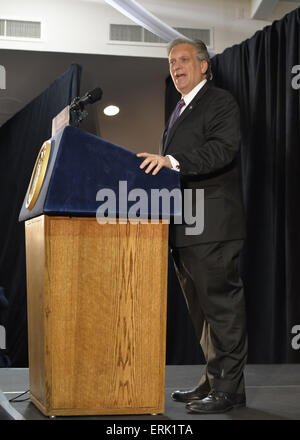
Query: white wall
82	26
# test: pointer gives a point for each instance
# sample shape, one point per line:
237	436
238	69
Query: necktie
174	116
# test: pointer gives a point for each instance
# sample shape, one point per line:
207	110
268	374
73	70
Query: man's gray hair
201	51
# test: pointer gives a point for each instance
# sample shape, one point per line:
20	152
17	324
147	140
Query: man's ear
204	66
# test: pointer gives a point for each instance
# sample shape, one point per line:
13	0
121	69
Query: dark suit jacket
205	140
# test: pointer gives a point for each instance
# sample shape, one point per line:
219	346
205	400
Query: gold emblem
38	175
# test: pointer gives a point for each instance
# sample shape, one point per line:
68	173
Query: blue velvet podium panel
81	164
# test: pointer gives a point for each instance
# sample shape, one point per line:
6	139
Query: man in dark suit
201	142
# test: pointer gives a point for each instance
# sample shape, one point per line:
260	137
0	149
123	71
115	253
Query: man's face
185	69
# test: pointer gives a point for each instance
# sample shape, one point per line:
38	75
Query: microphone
89	98
77	106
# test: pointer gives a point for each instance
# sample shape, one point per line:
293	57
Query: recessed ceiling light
111	110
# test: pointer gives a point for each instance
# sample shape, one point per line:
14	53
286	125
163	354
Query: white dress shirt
187	99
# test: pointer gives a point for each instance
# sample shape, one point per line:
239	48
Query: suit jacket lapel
182	117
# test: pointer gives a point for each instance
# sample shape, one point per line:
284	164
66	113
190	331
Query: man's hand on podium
154	162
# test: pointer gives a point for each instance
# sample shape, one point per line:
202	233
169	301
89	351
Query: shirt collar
191	95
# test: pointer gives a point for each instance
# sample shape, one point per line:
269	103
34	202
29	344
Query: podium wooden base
96	316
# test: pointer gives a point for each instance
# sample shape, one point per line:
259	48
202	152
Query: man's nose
176	66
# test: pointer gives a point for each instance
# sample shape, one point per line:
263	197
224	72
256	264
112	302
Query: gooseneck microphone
77	106
89	98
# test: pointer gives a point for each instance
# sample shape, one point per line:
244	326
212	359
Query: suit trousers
209	278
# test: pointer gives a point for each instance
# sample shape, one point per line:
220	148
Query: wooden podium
96	292
96	316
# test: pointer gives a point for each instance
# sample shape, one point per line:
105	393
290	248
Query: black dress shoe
217	402
197	393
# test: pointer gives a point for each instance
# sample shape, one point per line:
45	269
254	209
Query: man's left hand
155	162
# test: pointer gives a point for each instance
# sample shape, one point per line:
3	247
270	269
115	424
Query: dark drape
20	140
258	72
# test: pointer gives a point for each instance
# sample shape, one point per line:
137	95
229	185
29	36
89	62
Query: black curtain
258	72
20	140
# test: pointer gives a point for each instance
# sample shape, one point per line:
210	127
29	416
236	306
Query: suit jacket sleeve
218	143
